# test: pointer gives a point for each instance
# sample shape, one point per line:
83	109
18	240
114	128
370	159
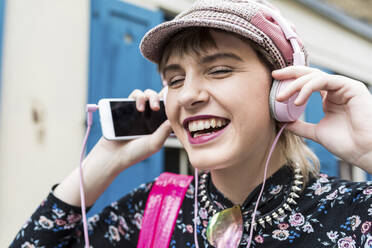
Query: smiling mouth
206	126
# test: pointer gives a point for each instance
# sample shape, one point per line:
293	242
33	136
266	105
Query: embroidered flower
218	204
59	212
189	228
354	221
276	189
113	216
332	235
308	228
296	219
27	245
60	222
366	226
138	220
205	223
342	189
114	204
94	218
121	230
346	242
332	196
259	239
368	191
315	186
280	234
323	178
123	223
203	213
368	243
45	223
283	226
73	218
370	210
114	233
322	190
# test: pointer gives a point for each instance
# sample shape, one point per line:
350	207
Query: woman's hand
128	152
139	149
108	158
346	129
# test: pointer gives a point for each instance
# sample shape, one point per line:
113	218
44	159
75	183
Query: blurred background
56	56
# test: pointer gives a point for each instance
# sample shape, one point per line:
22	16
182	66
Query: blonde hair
198	40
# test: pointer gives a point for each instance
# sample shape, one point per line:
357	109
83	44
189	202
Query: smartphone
120	119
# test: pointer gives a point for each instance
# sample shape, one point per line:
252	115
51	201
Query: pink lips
203	138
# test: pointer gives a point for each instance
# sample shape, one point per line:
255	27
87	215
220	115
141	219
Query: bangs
197	41
190	41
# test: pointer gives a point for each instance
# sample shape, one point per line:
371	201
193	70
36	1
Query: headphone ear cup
285	111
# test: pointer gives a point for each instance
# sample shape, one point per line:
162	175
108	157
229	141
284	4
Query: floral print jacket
328	213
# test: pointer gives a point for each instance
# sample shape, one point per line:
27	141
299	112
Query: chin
210	160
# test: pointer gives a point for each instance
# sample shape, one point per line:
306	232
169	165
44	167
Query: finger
295	86
323	93
303	129
140	98
324	82
153	99
293	72
140	149
158	138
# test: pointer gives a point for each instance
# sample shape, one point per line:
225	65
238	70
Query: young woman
218	61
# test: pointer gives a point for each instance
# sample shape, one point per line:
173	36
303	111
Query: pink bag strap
162	207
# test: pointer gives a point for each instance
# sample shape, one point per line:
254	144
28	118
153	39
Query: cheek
172	112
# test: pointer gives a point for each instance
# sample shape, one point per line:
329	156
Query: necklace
277	213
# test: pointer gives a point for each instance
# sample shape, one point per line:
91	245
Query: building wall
330	45
44	86
45	58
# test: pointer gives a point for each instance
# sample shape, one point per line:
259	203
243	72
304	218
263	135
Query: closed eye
176	81
219	70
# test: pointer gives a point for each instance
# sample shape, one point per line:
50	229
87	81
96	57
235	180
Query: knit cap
252	19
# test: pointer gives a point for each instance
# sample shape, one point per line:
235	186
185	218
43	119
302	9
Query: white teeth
213	123
193	126
199	125
219	123
207	124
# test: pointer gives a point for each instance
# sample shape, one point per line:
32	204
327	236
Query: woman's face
217	103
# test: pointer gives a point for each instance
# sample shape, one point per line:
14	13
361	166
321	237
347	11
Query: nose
193	93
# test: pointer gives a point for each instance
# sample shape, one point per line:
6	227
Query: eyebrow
204	60
216	56
171	67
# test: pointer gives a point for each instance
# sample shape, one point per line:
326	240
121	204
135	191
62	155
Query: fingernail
297	101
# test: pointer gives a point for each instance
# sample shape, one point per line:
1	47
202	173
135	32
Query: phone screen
128	121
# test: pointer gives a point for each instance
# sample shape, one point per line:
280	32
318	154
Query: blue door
116	69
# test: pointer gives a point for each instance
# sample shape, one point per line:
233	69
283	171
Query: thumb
303	129
157	139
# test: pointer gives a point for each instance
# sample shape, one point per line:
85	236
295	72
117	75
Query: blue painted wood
116	69
313	114
2	11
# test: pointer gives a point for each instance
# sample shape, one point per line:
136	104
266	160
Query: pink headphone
285	111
